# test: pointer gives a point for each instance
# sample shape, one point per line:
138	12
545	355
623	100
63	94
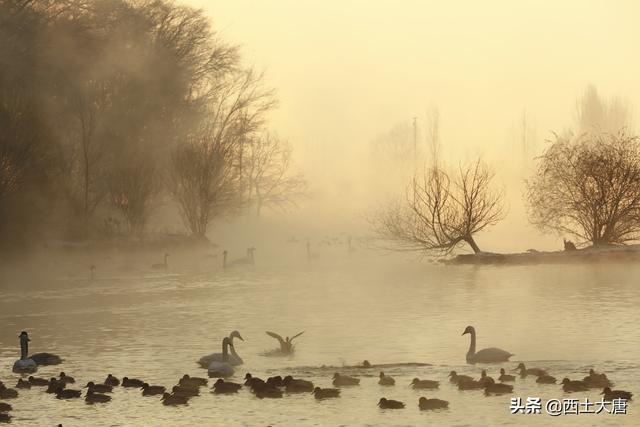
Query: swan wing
276	336
296	336
492	354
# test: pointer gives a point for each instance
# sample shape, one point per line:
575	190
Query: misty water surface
155	326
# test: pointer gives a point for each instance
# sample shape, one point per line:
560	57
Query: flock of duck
221	366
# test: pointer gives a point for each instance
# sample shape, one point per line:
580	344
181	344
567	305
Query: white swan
234	359
222	369
487	355
24	364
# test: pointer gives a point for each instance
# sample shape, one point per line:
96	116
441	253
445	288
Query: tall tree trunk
473	244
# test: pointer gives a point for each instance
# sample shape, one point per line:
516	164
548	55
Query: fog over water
365	93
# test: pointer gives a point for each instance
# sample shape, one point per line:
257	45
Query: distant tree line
108	107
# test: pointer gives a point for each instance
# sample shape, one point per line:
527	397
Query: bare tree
268	175
205	181
589	187
441	211
132	187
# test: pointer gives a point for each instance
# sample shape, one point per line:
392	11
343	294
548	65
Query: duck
616	394
162	265
66	379
173	400
223	368
263	391
112	381
546	379
504	377
569	386
419	384
250	380
92	397
487	355
184	391
247	260
455	378
427	404
99	388
286	344
5	407
233	358
55	385
497	388
293	385
25	364
275	381
187	380
23	384
385	403
5	418
596	380
152	390
132	382
67	393
524	371
485	379
470	385
8	393
224	387
45	359
40	382
344	380
386	380
326	393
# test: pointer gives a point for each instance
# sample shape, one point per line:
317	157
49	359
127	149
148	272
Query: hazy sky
346	71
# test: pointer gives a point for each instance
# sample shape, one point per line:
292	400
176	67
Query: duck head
422	400
415	380
520	367
381	374
606	390
382	401
453	374
468	330
336	376
565	380
248	376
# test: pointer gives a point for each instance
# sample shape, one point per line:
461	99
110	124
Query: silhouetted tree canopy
588	186
441	211
98	100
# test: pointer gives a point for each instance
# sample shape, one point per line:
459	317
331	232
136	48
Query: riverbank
630	253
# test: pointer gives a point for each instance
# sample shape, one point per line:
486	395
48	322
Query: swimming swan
487	355
24	364
222	369
234	359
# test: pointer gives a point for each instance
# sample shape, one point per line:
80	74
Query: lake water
154	326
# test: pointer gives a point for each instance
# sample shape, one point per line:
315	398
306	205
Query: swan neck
472	345
24	349
225	352
233	351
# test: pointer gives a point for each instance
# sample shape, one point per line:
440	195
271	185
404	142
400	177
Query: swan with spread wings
286	344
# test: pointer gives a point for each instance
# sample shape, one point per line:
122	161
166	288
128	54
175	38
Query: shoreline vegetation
608	253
